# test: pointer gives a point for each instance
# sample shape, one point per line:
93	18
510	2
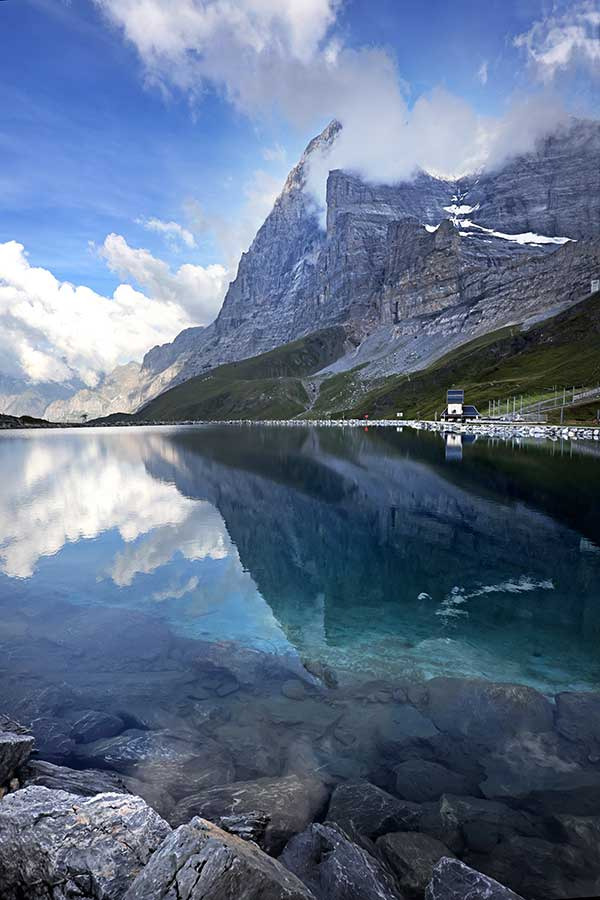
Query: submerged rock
361	808
534	770
486	712
271	809
538	868
94	725
412	858
453	880
334	868
578	720
199	860
482	824
55	845
420	781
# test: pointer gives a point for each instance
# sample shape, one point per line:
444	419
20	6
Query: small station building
456	409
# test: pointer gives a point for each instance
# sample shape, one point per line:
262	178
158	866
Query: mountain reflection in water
372	552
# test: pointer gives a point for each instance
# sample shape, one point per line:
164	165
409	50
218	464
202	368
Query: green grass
561	351
268	386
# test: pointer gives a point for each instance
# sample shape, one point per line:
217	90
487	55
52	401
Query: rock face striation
55	845
410	269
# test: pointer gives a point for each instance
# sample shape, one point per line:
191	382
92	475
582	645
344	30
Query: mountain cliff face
411	269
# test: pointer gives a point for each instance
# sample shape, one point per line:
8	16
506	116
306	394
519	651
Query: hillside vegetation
269	386
561	351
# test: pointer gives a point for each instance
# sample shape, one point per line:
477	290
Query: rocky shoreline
475	785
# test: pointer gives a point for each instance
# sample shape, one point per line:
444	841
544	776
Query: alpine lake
369	607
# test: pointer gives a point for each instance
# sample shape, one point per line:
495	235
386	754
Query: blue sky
190	116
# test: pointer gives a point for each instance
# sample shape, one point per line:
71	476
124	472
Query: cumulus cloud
52	330
287	55
172	231
559	42
197	290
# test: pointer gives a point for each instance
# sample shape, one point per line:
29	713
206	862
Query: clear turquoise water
380	553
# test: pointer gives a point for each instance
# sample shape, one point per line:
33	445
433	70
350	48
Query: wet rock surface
199	860
334	868
55	845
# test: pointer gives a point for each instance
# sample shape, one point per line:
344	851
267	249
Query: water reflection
358	549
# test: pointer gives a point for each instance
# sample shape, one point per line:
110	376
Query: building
456	409
595	285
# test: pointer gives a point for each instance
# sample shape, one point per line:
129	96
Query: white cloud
52	330
197	290
558	42
482	72
172	231
285	55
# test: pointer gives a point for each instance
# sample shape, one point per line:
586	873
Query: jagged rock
94	725
419	781
288	803
539	868
412	858
486	712
15	748
334	868
199	860
55	845
453	880
482	824
361	808
578	719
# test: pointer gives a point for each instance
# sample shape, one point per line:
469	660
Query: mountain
20	397
411	270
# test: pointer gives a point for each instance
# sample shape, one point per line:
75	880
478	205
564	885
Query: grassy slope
268	386
562	351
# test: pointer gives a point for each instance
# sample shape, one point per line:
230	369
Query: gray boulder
270	810
482	824
486	712
534	770
57	846
84	782
15	749
199	861
361	808
334	868
165	760
538	868
94	725
412	858
420	781
89	782
453	880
